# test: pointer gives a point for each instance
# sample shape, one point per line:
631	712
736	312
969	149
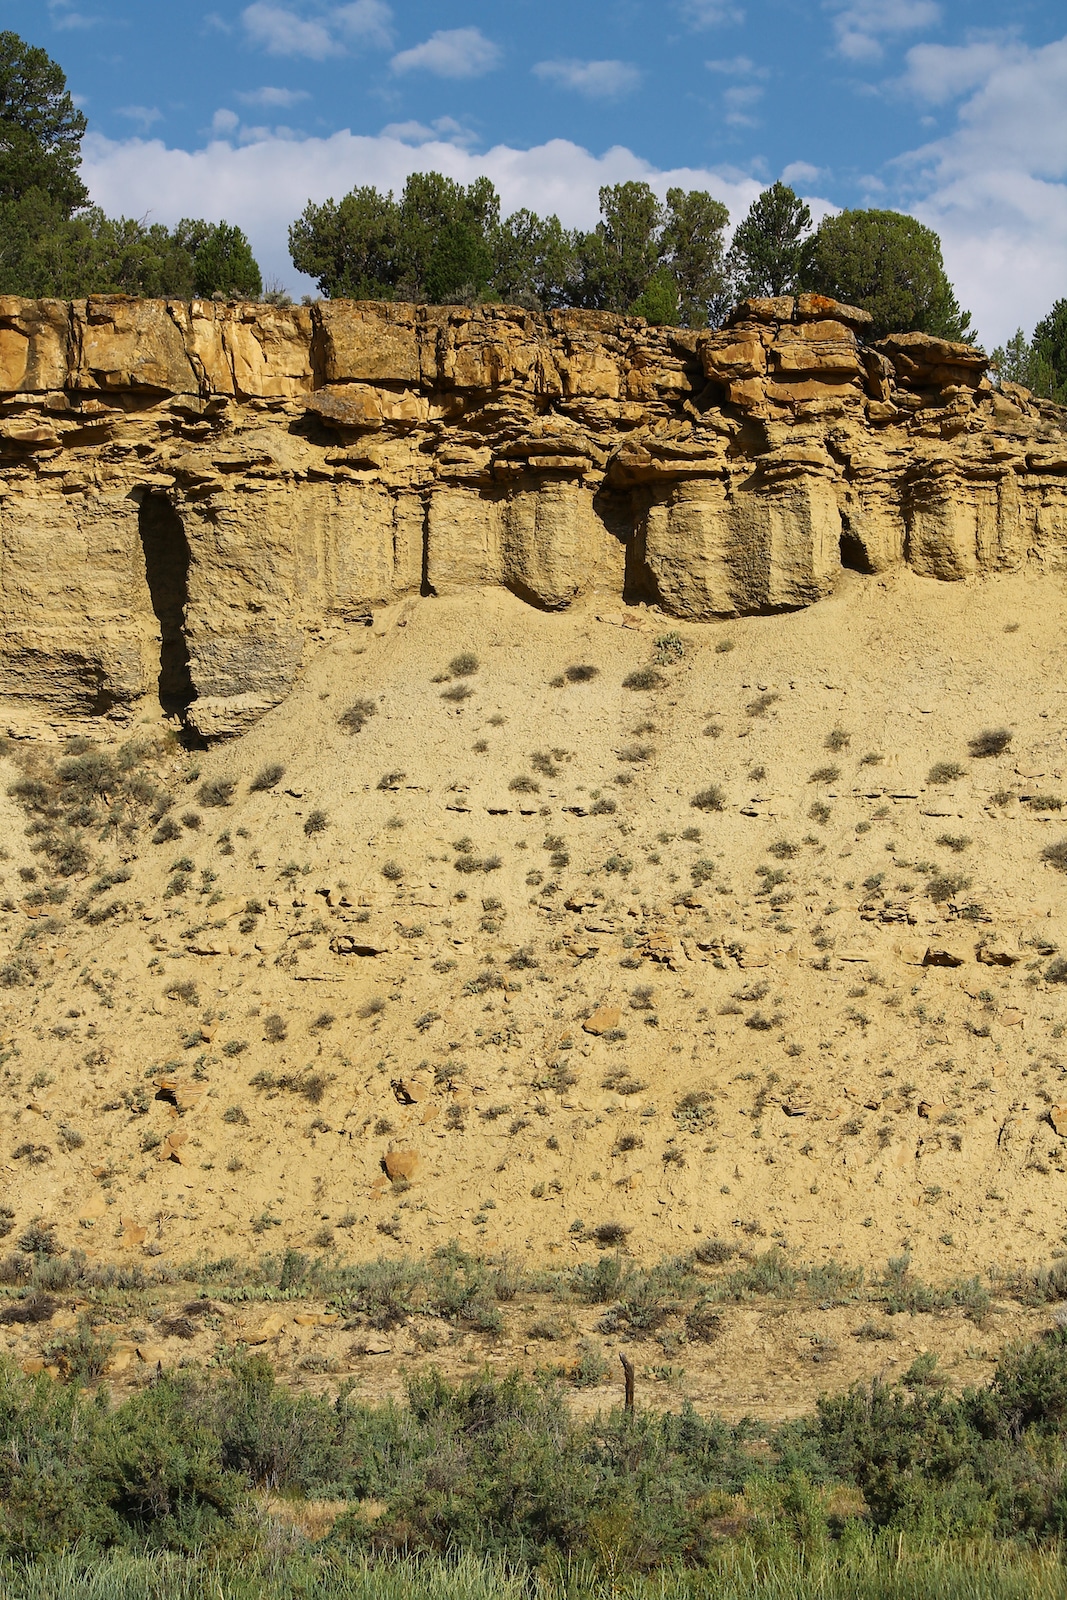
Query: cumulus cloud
802	172
282	31
446	128
995	187
860	25
450	53
265	184
598	80
937	73
366	22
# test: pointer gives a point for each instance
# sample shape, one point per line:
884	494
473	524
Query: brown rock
1058	1118
941	955
603	1020
401	1164
271	1328
171	1148
998	955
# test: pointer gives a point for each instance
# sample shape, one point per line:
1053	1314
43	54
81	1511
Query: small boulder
603	1020
401	1164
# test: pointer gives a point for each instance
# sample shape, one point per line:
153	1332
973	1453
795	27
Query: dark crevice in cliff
166	561
854	554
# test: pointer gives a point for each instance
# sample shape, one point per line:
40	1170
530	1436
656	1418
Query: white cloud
446	128
263	186
710	13
802	172
995	188
225	122
267	96
599	80
282	33
451	53
367	22
858	25
145	115
937	73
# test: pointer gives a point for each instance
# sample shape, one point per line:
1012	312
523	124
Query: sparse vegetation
710	799
359	713
944	772
268	777
1056	855
644	678
991	742
216	792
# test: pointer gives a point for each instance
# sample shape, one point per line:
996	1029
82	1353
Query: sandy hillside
483	970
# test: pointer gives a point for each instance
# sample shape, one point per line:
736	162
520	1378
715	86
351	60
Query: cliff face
189	493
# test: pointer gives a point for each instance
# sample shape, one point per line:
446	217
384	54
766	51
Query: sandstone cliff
191	492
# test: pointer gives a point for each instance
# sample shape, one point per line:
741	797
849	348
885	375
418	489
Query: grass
710	799
880	1568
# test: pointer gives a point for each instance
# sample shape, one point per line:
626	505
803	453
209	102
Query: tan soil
889	1105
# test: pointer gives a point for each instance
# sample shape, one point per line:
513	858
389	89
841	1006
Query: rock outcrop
191	492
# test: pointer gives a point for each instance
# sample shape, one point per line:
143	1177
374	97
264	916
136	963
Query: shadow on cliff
166	561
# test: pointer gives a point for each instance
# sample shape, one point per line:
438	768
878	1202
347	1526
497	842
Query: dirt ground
821	1008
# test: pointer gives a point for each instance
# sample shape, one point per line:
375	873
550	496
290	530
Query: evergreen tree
1050	348
890	265
41	130
52	243
618	259
692	248
771	246
221	260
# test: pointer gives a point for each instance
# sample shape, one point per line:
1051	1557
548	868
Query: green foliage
53	244
771	247
433	244
890	265
40	129
443	243
1050	344
221	259
1041	364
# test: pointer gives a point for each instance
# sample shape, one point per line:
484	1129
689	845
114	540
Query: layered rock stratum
229	480
624	840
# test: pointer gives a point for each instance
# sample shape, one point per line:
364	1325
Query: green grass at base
880	1568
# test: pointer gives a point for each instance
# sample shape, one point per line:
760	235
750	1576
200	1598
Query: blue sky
956	112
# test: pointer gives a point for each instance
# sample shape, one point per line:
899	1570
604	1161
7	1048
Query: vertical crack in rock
166	561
